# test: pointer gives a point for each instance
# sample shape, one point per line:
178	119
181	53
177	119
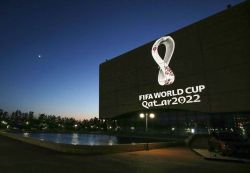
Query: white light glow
4	122
142	115
193	131
26	134
151	115
166	75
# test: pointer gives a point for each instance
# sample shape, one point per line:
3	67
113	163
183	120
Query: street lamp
142	115
75	126
151	115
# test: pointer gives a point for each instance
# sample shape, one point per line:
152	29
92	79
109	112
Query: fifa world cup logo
165	75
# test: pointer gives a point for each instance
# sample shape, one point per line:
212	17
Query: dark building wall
214	52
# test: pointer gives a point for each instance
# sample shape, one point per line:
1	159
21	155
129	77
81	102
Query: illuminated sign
172	97
165	75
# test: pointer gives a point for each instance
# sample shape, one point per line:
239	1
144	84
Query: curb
227	159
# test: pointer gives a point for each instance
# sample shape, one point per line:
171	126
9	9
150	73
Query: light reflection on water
26	134
58	136
75	138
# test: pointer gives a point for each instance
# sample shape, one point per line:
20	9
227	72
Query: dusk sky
50	50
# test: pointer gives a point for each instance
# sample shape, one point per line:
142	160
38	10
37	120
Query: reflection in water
91	140
83	139
41	137
75	140
110	142
26	134
58	138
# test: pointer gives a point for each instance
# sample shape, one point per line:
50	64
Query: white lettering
145	104
177	96
169	93
180	91
201	87
187	90
157	95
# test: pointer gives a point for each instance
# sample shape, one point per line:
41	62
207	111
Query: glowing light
4	122
193	131
26	134
151	115
110	142
142	115
165	75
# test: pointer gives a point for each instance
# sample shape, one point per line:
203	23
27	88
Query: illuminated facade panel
203	67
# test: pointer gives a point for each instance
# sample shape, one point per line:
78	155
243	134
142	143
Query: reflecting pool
85	139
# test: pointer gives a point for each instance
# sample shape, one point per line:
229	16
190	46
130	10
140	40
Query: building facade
200	80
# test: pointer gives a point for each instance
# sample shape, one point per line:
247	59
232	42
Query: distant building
210	70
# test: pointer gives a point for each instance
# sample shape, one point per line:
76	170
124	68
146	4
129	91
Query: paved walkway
19	157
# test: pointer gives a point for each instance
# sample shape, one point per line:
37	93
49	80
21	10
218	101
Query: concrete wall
214	52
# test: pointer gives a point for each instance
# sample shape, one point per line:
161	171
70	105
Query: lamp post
151	115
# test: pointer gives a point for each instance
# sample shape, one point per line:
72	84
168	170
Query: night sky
50	50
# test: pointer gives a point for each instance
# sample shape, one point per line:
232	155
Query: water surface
85	139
